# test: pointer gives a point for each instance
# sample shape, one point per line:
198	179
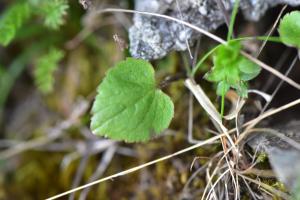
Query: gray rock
153	37
284	158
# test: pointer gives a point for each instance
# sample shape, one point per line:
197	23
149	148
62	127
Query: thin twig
249	125
250	190
55	133
191	101
200	30
280	84
210	183
79	172
271	31
105	161
184	28
272	70
214	172
217	181
199	170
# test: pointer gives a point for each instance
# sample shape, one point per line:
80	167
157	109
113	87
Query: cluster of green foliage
12	20
52	12
15	23
128	106
45	68
231	69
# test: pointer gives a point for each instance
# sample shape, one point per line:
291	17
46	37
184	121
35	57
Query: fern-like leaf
53	12
45	67
10	21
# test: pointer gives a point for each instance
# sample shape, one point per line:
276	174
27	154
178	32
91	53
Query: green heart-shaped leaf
128	105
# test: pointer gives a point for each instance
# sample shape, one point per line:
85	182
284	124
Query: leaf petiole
195	69
261	38
232	20
222	104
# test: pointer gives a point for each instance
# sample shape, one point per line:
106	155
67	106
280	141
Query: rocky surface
153	37
284	157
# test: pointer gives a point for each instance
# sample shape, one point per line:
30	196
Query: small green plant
12	20
45	68
14	24
53	12
232	70
128	105
262	157
18	14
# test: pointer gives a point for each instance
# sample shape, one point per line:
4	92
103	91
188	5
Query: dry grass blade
249	125
200	30
212	36
214	195
272	70
271	31
214	172
214	115
105	161
237	105
279	85
212	112
204	102
206	142
199	170
216	182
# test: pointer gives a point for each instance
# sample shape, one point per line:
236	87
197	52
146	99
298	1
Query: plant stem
195	69
222	104
263	38
232	19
